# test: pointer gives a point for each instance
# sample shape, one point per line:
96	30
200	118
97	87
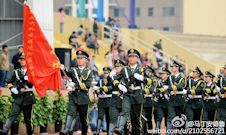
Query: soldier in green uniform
195	89
130	81
210	99
78	103
176	90
150	89
104	90
116	101
23	98
221	87
163	98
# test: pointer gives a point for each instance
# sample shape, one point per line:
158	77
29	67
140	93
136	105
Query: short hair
4	46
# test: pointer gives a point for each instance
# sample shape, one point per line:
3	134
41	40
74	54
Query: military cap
82	54
22	57
208	73
197	69
224	66
176	64
119	63
133	52
106	69
164	71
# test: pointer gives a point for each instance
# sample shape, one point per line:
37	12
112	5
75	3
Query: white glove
138	77
122	88
166	96
14	91
217	98
218	88
184	92
165	87
96	88
69	89
62	67
71	84
25	77
112	73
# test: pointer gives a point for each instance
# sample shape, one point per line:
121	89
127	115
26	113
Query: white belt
211	97
195	96
177	92
135	88
115	92
149	95
105	96
26	90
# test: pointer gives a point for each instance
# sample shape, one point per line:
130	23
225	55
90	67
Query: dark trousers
148	115
82	110
193	114
135	111
101	113
3	77
16	109
160	113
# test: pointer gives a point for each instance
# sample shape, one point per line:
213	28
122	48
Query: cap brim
106	72
174	65
82	56
133	54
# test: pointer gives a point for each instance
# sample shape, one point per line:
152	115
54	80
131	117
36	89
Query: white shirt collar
24	70
134	67
208	84
176	75
81	68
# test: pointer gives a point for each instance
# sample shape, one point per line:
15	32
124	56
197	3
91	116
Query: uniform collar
176	75
24	70
134	67
208	84
81	68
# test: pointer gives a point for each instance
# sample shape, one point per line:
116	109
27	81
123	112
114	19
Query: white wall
43	11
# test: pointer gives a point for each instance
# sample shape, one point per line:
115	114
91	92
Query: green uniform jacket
221	82
210	104
106	87
179	84
80	95
198	87
18	81
136	96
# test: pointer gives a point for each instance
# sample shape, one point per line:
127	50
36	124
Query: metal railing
11	38
136	42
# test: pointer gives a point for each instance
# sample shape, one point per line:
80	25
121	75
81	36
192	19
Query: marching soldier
210	99
150	90
130	81
81	76
195	89
116	100
221	87
163	97
176	90
103	89
23	96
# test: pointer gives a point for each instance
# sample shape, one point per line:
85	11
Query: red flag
43	66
